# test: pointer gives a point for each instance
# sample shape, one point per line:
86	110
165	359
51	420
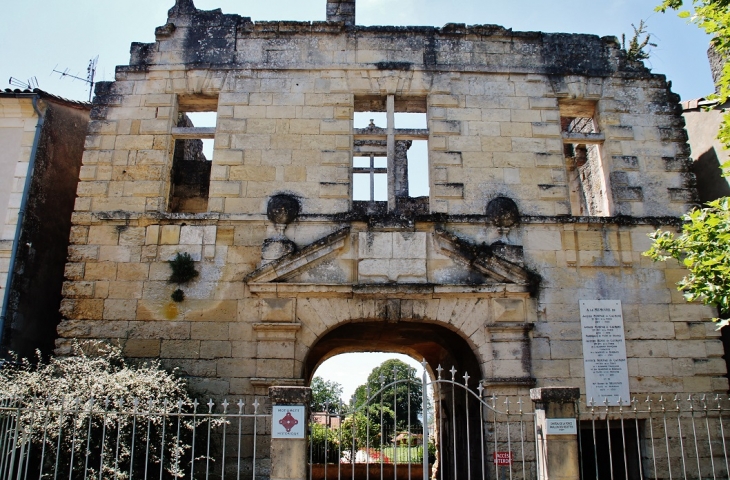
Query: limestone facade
583	152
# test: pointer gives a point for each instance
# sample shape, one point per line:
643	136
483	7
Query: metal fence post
289	421
556	428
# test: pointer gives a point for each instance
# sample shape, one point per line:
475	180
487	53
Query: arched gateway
465	307
440	348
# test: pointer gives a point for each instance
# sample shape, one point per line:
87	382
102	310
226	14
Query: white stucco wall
17	132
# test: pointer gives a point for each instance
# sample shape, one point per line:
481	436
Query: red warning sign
503	458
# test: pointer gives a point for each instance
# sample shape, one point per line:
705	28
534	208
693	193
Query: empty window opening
582	149
365	119
394	130
603	450
192	156
370	179
410	120
418	182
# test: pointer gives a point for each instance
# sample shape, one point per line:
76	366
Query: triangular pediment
485	259
292	264
355	260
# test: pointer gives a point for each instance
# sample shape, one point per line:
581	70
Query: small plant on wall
183	271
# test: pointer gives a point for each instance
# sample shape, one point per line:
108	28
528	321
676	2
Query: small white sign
561	426
287	421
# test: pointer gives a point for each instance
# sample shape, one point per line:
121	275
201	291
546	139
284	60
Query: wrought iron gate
463	434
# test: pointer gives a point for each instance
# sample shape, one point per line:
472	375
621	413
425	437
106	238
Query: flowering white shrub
96	370
94	411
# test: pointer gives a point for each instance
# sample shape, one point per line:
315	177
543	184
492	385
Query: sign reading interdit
287	421
604	351
503	458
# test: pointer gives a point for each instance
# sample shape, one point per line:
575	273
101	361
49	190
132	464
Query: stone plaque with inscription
604	351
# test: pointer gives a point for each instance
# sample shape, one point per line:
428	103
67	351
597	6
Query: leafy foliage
178	296
402	399
96	370
704	249
326	395
713	16
86	393
183	268
636	50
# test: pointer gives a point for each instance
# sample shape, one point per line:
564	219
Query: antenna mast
29	84
90	75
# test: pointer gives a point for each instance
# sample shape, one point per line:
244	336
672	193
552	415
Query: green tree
704	249
703	246
713	16
326	395
396	399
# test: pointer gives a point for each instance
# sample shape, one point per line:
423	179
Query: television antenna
30	84
90	74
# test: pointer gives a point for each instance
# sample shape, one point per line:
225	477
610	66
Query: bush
95	395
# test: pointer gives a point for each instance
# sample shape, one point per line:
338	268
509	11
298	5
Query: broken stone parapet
341	11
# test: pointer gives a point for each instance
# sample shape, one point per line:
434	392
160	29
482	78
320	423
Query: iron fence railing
655	437
470	434
108	439
480	437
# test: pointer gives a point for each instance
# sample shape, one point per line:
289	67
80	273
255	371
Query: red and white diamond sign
287	421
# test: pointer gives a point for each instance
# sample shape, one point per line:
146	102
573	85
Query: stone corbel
276	331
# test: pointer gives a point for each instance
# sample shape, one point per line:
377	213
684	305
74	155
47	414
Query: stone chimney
341	11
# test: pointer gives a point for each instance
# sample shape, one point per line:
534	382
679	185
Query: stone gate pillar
289	418
557	433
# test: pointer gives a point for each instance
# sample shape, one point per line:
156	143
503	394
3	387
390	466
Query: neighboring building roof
698	103
46	96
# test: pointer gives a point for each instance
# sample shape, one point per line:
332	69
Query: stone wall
286	95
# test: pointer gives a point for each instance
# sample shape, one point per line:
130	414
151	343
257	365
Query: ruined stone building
41	144
545	160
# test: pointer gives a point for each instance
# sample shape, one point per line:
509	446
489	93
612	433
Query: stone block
137	347
103	235
277	309
116	254
124	290
87	309
170	235
211	310
375	245
120	309
209	331
100	271
78	289
180	349
508	310
215	349
409	245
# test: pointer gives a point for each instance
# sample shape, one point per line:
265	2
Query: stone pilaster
557	452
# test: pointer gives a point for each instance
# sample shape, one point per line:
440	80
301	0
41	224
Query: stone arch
435	343
464	317
439	345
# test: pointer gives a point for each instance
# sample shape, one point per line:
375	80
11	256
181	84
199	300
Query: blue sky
37	36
